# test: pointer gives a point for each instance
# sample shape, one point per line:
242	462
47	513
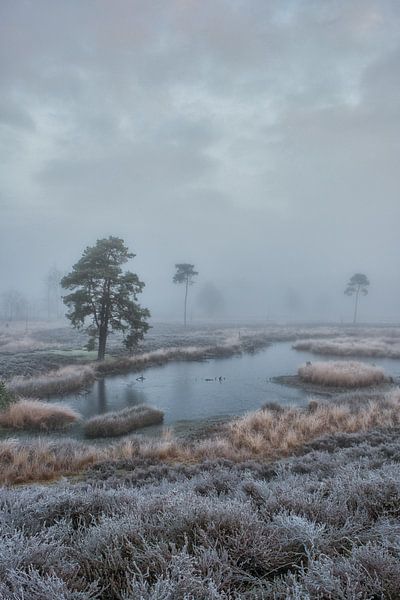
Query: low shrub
349	374
124	421
214	531
36	415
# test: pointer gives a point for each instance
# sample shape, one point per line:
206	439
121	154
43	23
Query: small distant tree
14	306
53	293
185	274
103	298
357	285
210	300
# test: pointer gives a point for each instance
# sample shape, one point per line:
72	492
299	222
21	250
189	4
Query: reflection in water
191	391
101	396
134	397
182	391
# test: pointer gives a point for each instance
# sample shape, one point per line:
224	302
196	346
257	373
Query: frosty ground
281	503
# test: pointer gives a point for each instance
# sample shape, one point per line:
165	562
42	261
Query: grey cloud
258	139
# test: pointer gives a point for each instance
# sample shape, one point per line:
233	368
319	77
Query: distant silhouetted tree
293	301
357	285
14	306
185	274
105	296
210	300
53	293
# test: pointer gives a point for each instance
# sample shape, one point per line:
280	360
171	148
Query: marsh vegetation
31	415
320	525
289	516
120	422
347	374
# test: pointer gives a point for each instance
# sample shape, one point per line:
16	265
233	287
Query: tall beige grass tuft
33	414
63	381
271	434
42	460
123	421
349	374
266	434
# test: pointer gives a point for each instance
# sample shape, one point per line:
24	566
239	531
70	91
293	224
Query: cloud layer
258	140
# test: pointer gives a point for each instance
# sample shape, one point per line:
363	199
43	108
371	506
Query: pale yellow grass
33	414
263	435
349	374
122	422
42	460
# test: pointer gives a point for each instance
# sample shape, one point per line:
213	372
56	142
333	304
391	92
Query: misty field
48	347
380	347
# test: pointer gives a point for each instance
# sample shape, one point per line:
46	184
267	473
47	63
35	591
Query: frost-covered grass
349	374
62	381
387	347
271	433
36	415
267	434
122	421
76	377
324	525
25	343
42	460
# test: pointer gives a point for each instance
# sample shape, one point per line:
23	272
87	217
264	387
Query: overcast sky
258	139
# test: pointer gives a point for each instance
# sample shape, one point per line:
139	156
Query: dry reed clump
349	374
266	434
43	460
124	421
34	415
271	434
387	347
63	381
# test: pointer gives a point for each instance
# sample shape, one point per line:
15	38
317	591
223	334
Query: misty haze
199	299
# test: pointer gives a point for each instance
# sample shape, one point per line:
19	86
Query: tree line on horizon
103	294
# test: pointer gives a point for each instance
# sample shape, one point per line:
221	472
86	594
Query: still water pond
190	393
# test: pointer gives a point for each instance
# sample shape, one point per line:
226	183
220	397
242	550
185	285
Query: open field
381	347
346	374
45	347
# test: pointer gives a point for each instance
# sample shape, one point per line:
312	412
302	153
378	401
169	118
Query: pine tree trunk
186	294
356	307
104	319
102	345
